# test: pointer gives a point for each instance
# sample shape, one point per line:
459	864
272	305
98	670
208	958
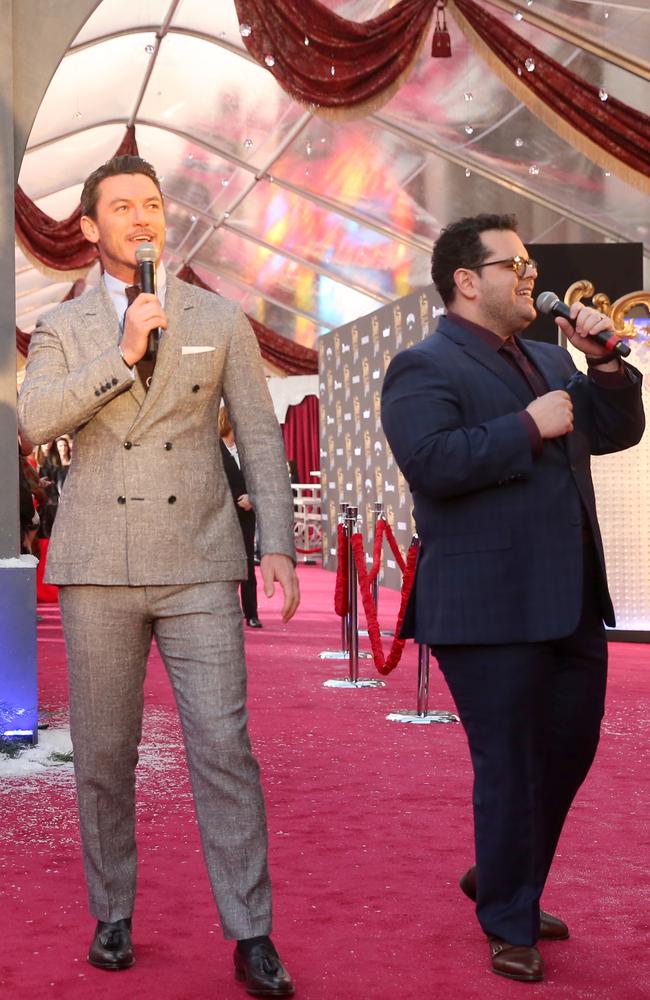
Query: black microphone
549	303
146	256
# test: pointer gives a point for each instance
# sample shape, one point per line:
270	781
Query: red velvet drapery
615	136
300	430
326	61
341	68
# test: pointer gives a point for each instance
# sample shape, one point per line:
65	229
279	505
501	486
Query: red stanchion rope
380	528
341	603
395	547
384	664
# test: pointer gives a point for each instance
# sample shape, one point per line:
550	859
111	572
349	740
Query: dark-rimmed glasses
520	265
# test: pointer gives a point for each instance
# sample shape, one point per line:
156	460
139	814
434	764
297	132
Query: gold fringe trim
542	111
52	272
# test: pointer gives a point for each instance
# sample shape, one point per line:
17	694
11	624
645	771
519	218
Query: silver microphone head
546	301
146	253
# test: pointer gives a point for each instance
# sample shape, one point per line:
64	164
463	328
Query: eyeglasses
520	265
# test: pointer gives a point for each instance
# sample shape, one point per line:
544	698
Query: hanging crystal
469	129
519	142
530	64
603	95
269	60
245	30
248	143
533	169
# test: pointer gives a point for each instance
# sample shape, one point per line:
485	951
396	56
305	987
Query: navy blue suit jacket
500	530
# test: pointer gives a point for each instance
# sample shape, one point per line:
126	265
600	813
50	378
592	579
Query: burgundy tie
145	365
516	357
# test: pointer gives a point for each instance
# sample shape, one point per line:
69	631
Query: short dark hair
460	245
126	164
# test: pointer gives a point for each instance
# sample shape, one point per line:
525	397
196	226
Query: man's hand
244	502
588	322
143	315
275	566
552	413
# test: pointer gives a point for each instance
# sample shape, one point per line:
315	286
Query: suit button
171	499
128	445
195	388
113	381
97	392
121	499
102	388
168	446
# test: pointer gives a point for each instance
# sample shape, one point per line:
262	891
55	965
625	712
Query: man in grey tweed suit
146	543
494	436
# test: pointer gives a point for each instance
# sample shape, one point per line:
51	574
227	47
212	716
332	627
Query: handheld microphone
550	304
146	256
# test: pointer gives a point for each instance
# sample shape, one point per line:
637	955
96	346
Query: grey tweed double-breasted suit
146	542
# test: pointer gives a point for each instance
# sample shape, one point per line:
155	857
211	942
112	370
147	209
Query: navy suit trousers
532	714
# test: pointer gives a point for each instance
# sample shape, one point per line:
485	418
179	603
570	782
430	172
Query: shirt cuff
611	380
532	430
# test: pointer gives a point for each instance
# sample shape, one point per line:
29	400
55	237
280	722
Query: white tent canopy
309	223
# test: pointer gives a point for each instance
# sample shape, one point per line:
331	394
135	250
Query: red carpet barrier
341	587
46	593
384	664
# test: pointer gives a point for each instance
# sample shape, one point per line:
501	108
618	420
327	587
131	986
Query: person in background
494	436
245	514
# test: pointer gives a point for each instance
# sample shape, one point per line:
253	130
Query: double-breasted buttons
128	445
121	499
171	499
168	446
97	392
113	381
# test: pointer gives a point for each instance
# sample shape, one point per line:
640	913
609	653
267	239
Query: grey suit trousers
198	629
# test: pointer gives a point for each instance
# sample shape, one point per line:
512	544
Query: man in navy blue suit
494	436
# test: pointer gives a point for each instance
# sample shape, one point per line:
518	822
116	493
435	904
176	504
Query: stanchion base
340	654
423	720
361	682
386	632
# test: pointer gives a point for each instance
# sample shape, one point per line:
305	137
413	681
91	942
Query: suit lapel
486	356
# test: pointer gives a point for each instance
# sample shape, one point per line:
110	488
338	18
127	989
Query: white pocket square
191	349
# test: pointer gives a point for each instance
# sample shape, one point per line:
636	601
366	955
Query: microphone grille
546	301
145	253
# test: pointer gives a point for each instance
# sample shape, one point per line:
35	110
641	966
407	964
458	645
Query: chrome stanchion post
423	681
353	680
422	714
378	513
344	652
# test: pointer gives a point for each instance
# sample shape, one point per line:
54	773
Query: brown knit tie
146	364
516	357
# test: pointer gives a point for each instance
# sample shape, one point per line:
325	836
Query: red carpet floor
370	827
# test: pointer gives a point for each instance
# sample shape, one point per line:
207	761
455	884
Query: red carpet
370	827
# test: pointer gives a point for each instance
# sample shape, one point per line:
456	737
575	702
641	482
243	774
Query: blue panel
18	660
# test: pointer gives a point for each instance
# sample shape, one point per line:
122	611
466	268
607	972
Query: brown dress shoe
111	948
516	961
550	928
259	968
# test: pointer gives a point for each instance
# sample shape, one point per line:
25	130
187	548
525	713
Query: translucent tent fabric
309	223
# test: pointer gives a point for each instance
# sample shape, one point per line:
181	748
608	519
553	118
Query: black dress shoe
254	623
258	966
550	928
515	961
111	947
